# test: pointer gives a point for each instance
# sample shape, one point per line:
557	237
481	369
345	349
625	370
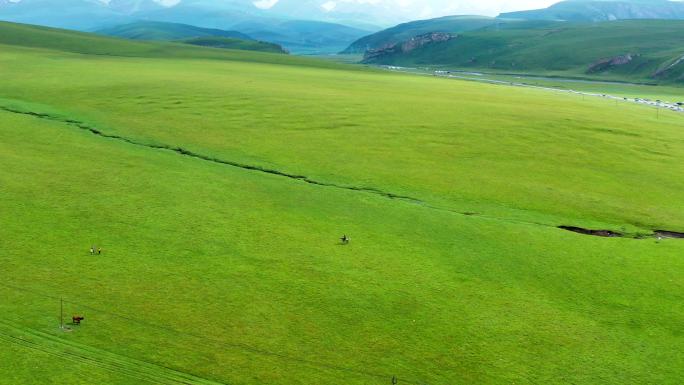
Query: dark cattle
76	320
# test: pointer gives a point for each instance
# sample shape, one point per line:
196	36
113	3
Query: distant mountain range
571	10
370	15
71	14
88	43
587	10
312	26
300	36
92	14
304	36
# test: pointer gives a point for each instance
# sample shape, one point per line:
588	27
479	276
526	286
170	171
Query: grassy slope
402	32
228	43
560	48
247	259
29	367
150	30
235	259
470	153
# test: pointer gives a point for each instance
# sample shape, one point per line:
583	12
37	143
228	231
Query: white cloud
167	3
265	4
329	6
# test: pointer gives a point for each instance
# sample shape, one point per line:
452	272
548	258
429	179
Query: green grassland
217	183
561	49
26	365
229	43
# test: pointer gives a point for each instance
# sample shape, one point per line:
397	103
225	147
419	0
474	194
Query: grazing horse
76	320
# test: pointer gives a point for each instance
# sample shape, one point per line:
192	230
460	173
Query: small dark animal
76	320
344	239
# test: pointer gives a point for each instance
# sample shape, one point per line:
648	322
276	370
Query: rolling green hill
188	34
402	32
228	43
634	50
154	30
23	35
218	183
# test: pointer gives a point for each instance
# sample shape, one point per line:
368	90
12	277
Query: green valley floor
218	189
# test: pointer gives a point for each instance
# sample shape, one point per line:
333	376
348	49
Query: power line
80	359
232	345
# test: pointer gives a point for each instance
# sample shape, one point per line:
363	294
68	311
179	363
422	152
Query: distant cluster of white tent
678	106
672	106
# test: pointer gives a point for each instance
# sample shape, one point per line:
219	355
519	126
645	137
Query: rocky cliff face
407	46
611	62
663	72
